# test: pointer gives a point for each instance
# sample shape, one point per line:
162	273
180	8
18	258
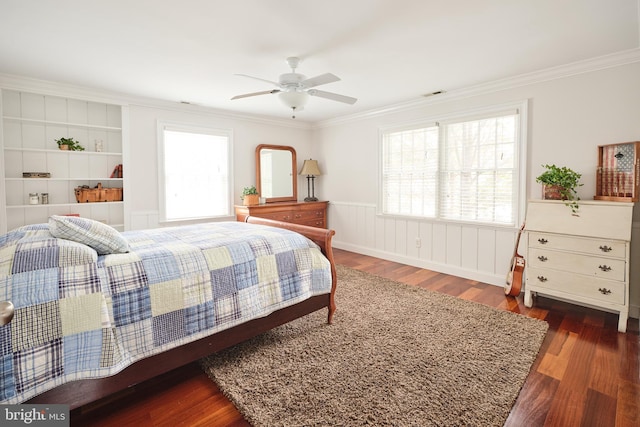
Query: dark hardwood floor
586	374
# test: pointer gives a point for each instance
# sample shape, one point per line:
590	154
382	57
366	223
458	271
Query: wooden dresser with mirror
276	182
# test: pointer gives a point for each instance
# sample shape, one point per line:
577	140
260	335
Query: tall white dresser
581	258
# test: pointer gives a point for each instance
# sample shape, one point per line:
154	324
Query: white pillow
101	237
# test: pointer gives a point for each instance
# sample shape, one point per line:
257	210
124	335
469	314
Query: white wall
568	118
142	194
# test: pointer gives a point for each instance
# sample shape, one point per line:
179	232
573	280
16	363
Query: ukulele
514	277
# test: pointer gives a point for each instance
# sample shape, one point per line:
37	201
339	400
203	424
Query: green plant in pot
250	196
561	183
69	144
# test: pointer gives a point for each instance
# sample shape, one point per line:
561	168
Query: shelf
53	205
44	150
31	122
64	179
55	123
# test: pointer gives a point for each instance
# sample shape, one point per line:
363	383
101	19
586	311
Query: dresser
304	213
581	258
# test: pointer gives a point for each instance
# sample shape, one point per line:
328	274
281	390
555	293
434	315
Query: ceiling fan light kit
294	88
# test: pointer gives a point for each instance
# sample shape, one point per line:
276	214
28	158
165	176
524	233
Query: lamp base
310	199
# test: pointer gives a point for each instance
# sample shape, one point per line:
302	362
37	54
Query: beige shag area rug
395	355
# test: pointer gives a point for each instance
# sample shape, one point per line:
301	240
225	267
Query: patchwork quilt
83	315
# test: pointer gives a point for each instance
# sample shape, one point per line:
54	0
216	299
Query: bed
96	311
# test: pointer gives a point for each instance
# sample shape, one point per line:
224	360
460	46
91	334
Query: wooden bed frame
82	392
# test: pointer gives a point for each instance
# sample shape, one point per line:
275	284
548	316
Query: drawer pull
543	258
542	278
604	291
543	241
606	248
604	267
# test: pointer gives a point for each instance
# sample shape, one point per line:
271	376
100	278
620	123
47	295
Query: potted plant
69	144
250	196
560	183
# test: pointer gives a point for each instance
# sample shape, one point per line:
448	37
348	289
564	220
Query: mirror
276	173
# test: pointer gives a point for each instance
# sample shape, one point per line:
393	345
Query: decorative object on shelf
560	183
618	173
311	170
98	146
36	175
117	172
33	198
69	144
44	198
250	196
85	194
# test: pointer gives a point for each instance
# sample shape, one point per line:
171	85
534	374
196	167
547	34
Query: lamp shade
293	99
310	168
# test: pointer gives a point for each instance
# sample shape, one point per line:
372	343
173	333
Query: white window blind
478	179
464	169
195	173
409	172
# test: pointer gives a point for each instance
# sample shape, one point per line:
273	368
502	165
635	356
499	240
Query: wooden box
99	194
618	174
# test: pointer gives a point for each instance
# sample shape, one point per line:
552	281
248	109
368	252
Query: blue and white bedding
83	315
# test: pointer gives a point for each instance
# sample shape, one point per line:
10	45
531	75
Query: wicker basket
85	194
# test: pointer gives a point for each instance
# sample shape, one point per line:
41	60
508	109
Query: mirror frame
294	173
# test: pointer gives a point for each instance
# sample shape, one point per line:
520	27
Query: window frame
519	201
163	126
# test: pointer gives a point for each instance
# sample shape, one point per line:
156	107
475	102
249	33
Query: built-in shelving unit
31	123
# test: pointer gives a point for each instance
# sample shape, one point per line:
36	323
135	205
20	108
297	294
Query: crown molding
65	90
553	73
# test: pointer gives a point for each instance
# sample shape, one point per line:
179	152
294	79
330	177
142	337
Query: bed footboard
321	236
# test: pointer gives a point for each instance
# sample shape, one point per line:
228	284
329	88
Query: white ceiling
385	51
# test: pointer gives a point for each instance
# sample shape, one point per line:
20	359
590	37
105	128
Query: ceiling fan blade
332	96
322	79
264	92
258	78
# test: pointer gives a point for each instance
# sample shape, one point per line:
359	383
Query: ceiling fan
294	89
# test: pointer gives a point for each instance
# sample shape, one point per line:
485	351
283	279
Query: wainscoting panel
476	252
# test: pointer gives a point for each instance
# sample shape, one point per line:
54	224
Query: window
463	169
195	176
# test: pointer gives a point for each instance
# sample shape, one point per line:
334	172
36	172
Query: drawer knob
606	248
543	258
604	291
543	241
604	267
542	278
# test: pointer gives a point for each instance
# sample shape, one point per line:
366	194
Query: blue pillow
101	237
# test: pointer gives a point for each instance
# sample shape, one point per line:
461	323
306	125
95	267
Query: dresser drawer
313	223
601	247
286	216
606	268
575	284
304	215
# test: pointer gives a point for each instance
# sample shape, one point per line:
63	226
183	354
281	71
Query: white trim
496	280
580	67
521	108
163	125
27	84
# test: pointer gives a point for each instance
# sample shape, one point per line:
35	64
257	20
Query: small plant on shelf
69	144
250	196
561	183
